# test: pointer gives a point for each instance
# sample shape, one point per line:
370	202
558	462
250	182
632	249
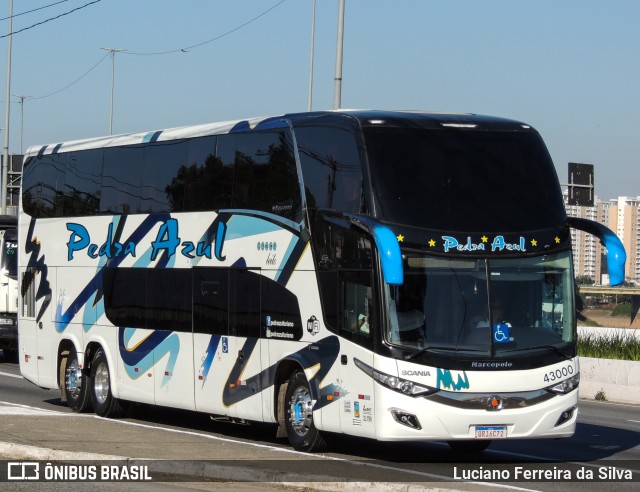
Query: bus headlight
395	383
566	386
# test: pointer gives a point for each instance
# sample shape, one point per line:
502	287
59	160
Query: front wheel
298	411
104	403
76	383
471	447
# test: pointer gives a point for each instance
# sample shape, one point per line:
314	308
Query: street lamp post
337	89
22	98
313	35
113	52
5	149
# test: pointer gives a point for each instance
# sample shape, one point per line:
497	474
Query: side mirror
388	247
616	255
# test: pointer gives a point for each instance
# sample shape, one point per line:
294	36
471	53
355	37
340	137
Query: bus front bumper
409	418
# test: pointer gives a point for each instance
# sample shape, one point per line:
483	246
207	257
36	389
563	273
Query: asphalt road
606	442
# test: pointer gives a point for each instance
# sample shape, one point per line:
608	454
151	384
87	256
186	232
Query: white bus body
151	272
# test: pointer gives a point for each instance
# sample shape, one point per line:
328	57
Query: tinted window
122	181
82	182
245	303
169	299
162	163
474	181
255	171
331	169
265	176
211	300
9	263
125	296
153	298
201	182
42	185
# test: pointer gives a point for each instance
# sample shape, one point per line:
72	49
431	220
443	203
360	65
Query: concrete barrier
614	380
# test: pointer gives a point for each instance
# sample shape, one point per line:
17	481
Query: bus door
227	352
243	393
35	294
356	330
211	357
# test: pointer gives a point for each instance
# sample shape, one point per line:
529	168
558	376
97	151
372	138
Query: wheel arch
284	370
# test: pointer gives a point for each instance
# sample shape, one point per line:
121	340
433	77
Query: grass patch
621	310
610	346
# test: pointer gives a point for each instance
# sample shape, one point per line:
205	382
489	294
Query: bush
611	346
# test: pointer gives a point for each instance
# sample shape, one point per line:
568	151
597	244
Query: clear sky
570	68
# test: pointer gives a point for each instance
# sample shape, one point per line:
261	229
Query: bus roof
427	119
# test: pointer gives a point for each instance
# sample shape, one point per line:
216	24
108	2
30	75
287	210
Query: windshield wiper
438	347
547	346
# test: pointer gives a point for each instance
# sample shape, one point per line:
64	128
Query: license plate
491	432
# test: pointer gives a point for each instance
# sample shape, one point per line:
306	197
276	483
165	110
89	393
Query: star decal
534	242
484	239
432	243
557	240
400	238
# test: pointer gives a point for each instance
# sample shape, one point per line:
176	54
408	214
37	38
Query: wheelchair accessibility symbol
501	333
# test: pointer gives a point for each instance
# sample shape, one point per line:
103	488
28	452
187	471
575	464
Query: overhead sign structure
580	184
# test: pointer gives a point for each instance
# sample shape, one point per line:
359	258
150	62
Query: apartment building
621	215
624	219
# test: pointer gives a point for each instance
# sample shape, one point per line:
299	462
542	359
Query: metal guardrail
591	289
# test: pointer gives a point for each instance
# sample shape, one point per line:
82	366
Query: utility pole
22	98
313	35
5	149
337	89
113	52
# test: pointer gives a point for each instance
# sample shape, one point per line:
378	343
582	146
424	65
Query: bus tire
298	411
104	403
470	447
76	383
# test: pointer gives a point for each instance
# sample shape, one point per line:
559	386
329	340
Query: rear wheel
76	383
298	411
104	403
469	446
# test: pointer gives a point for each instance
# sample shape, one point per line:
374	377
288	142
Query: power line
34	10
75	81
50	19
158	53
187	48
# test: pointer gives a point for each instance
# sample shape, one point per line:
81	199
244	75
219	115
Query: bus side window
265	177
122	180
331	169
42	185
357	302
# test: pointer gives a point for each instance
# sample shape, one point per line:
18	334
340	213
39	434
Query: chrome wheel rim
73	379
101	383
301	411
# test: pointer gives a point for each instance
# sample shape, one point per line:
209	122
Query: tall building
587	250
625	221
621	215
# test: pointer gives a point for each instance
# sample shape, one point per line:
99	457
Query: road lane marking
306	455
8	408
8	374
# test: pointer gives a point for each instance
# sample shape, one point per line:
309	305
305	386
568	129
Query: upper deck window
331	169
463	180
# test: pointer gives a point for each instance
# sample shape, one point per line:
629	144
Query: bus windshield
9	264
463	180
480	305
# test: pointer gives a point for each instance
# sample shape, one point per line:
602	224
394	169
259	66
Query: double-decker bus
392	275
